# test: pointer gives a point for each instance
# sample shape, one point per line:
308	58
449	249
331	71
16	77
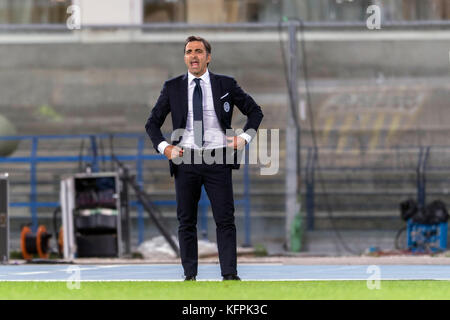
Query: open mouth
195	63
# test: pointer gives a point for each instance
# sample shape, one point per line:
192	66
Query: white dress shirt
213	135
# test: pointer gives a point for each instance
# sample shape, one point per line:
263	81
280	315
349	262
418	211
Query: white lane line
112	280
29	273
58	270
113	266
220	280
88	268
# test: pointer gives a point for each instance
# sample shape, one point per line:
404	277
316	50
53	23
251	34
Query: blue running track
211	272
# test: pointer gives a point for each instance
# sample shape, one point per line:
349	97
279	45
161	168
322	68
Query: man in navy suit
201	106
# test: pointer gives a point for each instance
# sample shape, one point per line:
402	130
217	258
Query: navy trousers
217	179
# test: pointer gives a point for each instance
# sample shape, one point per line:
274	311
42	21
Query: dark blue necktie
198	113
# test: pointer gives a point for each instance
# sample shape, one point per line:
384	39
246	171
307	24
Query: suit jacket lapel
215	88
184	98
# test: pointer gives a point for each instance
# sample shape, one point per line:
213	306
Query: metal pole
424	176
292	201
4	219
310	189
421	178
33	196
141	225
125	210
418	184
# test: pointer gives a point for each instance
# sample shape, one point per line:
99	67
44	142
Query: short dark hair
195	38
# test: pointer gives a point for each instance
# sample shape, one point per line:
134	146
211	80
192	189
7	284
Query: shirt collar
204	77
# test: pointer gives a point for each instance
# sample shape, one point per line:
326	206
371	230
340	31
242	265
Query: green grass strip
244	290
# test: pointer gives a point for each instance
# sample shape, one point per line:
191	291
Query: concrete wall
57	87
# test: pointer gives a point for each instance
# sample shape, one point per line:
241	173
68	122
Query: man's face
196	58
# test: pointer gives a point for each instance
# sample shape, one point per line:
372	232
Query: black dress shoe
231	277
190	278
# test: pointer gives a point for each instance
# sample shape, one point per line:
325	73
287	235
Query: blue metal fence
139	146
93	159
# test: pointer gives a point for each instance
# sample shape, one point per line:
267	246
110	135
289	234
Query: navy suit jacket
174	99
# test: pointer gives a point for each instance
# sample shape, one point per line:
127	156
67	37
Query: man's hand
236	142
172	152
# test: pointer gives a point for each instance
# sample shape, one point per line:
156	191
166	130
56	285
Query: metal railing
93	158
219	26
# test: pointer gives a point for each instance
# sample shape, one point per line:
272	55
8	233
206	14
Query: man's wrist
246	137
162	146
